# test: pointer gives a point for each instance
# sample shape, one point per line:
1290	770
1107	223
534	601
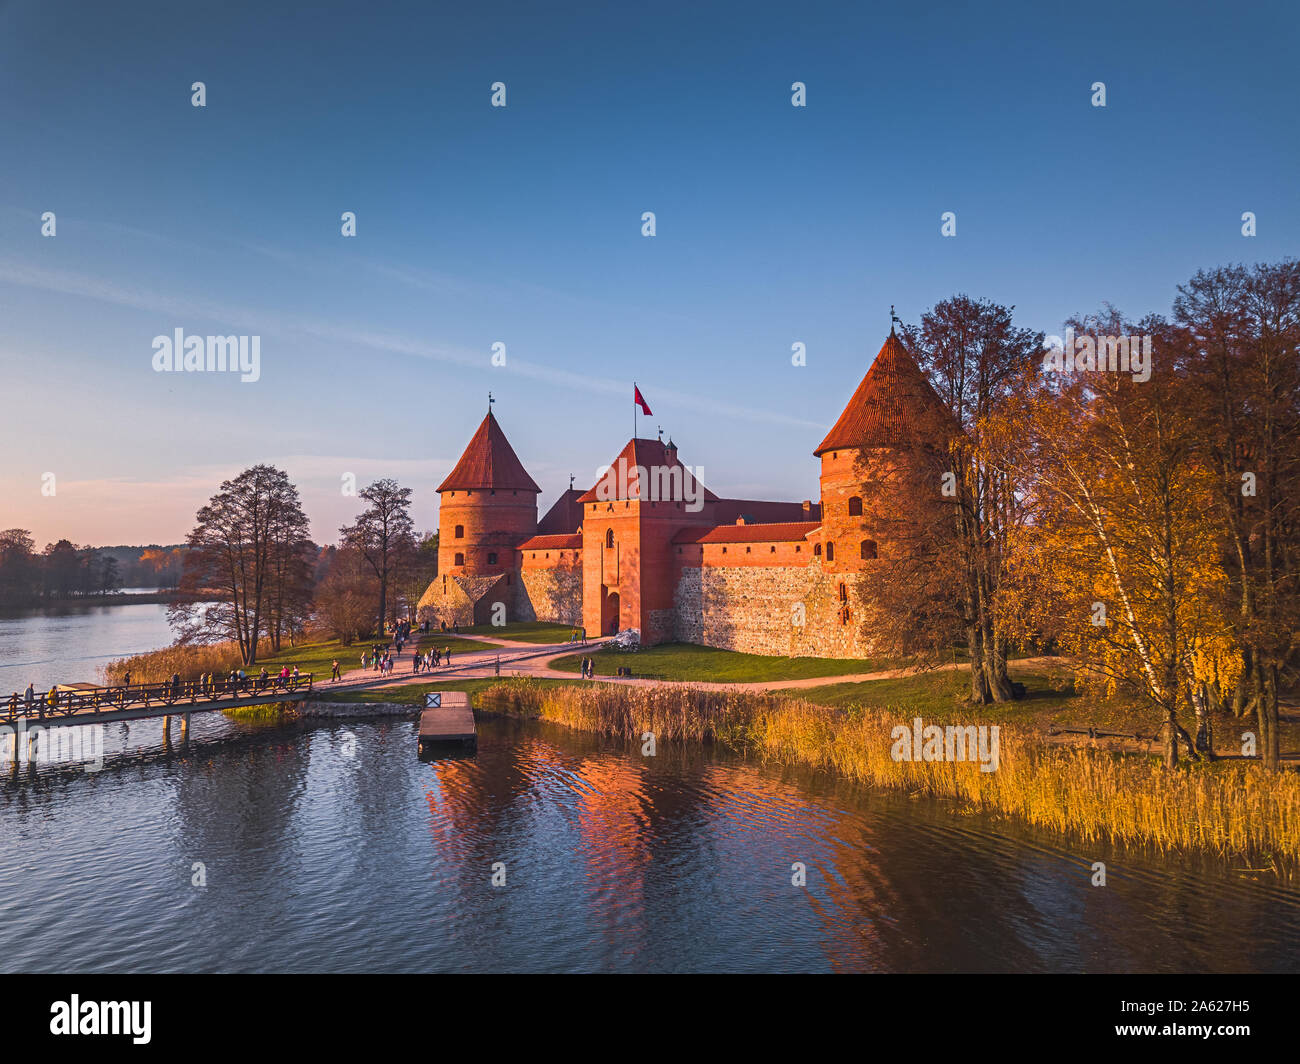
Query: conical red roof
489	462
894	401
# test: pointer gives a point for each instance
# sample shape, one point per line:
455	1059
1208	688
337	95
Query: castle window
609	537
817	549
843	592
492	559
830	552
773	550
748	549
797	548
534	555
459	559
460	531
493	491
547	554
868	549
724	550
444	583
469	492
855	507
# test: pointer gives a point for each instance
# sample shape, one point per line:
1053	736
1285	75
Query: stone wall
759	610
551	594
462	600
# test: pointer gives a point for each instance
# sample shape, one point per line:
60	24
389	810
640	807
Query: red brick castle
649	548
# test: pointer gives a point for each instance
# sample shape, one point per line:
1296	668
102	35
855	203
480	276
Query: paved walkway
518	658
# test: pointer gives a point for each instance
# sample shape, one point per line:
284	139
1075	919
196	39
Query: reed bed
190	661
1230	809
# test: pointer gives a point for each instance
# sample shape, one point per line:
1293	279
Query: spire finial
490	402
893	318
571	481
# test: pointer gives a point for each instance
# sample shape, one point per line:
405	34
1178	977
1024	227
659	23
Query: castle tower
629	519
893	408
488	506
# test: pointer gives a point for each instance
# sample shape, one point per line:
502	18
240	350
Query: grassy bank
686	661
1230	808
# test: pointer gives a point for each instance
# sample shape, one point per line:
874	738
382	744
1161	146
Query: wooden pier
447	724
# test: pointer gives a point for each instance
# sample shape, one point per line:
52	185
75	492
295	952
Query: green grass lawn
316	658
941	697
526	631
685	661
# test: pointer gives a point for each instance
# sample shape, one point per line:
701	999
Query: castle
648	547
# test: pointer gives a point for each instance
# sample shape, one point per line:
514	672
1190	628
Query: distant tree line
64	571
60	572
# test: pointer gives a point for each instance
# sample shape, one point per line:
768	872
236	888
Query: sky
522	225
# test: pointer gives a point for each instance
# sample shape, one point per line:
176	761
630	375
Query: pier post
185	729
32	733
167	732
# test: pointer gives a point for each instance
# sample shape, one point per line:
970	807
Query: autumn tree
1241	329
232	559
345	595
1121	541
383	534
976	359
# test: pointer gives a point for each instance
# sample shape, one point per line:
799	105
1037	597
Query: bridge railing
53	704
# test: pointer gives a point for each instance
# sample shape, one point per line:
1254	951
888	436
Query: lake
70	644
331	847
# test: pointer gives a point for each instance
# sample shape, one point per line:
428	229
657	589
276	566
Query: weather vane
570	481
490	402
893	318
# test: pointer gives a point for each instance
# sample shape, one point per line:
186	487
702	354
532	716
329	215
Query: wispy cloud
70	283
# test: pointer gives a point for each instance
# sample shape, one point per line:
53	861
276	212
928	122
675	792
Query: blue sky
522	224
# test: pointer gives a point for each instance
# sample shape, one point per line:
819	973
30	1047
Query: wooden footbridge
83	703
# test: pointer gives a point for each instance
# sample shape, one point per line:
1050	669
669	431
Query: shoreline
1083	794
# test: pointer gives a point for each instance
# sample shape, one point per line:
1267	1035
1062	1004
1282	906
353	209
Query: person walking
334	671
446	657
29	696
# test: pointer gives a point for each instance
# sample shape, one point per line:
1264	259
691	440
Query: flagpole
634	391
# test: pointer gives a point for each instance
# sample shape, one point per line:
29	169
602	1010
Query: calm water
332	848
70	644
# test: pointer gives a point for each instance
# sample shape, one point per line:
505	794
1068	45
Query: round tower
488	506
892	408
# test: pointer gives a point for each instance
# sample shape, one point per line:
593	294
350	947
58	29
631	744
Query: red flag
640	401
